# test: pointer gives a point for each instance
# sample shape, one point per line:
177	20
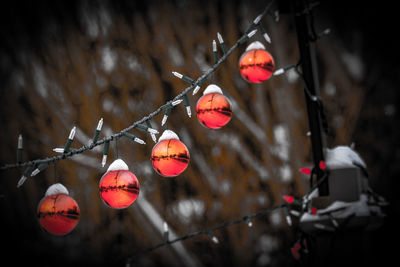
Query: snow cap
56	189
255	45
118	165
212	88
168	134
343	156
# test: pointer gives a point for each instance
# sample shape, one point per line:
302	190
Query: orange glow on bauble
57	212
170	157
119	187
256	64
213	108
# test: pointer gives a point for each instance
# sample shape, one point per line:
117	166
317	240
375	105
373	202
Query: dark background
30	29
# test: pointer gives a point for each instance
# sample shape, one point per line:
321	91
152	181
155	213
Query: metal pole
310	74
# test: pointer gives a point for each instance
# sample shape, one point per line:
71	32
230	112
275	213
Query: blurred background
70	63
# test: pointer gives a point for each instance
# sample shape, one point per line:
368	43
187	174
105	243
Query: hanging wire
316	99
207	231
55	172
116	148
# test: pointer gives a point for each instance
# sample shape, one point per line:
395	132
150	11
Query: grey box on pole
346	184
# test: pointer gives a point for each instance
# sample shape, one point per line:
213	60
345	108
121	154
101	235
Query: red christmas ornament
170	157
58	213
256	64
213	108
119	187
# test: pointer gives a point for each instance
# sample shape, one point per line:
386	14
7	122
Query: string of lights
39	165
208	232
119	188
128	182
303	203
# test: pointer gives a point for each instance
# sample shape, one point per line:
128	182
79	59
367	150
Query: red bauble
57	212
213	108
256	64
170	157
119	188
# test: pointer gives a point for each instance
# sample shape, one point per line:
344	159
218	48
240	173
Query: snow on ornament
256	65
119	187
213	109
58	213
170	157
